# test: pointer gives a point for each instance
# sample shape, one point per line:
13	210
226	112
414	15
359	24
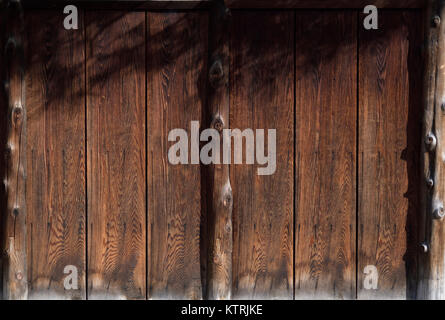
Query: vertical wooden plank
116	155
325	155
262	97
56	151
3	136
15	283
431	284
389	130
176	76
219	284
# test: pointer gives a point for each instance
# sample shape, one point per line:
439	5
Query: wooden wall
102	196
390	117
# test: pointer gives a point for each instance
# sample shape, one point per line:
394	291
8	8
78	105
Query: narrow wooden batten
431	282
14	219
219	281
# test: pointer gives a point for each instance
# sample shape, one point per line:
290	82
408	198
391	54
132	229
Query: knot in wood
216	259
8	151
216	73
439	212
228	227
430	182
227	13
436	21
17	113
227	201
442	106
15	212
218	123
430	141
10	45
19	276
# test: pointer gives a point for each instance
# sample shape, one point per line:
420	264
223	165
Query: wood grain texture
390	73
116	155
431	281
15	284
56	155
3	139
427	159
220	216
262	97
325	155
176	77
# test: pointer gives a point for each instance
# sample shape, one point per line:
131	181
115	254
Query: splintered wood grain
325	150
56	155
389	145
262	97
115	49
176	76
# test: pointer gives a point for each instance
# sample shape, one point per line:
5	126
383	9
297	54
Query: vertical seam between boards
86	150
357	150
294	149
146	154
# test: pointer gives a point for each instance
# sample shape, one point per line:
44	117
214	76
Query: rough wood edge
14	235
431	277
219	281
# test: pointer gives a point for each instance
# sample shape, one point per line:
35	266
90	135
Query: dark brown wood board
390	88
115	52
3	142
55	185
262	97
325	148
176	77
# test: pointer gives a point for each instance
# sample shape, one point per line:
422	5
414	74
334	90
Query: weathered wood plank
389	130
116	155
176	77
56	155
220	220
15	284
431	282
3	137
262	97
325	155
